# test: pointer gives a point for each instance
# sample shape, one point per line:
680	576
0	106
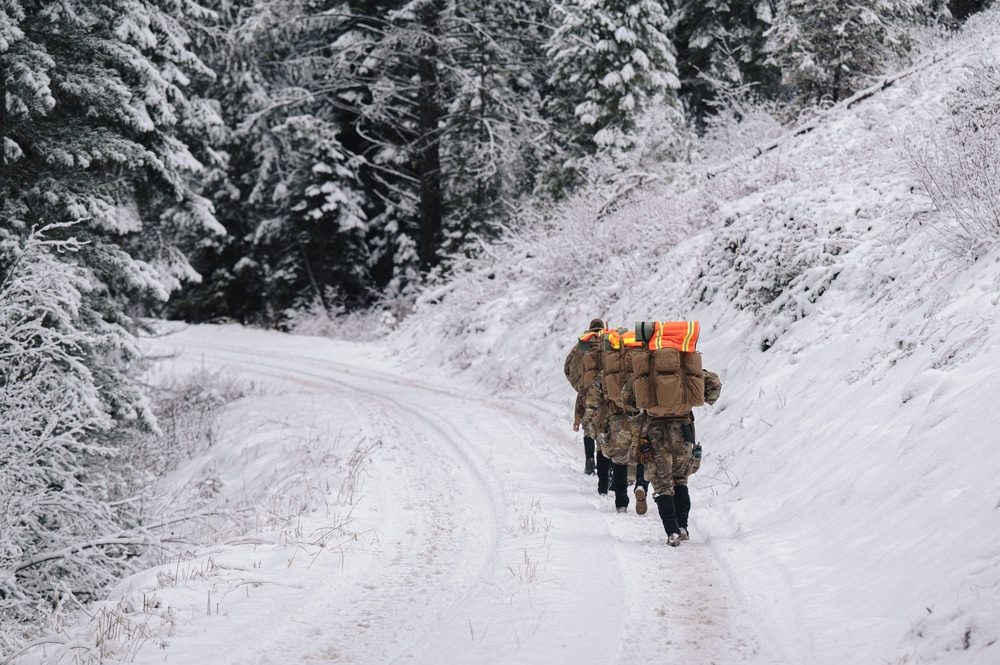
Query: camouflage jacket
573	368
592	405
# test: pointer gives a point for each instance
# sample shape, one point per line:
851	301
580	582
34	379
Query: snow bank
850	461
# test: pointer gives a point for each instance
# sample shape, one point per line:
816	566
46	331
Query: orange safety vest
680	335
617	340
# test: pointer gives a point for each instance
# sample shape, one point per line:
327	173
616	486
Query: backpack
619	348
590	345
669	378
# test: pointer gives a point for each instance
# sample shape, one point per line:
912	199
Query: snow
416	496
836	519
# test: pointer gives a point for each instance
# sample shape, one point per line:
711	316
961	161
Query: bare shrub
65	396
106	532
958	168
187	410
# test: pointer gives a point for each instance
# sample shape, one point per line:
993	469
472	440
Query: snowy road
483	542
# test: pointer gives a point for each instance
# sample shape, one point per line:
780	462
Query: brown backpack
669	378
619	348
591	344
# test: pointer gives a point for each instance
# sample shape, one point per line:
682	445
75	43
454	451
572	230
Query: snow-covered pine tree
446	97
289	193
98	128
489	152
397	62
827	49
301	206
315	243
721	42
609	58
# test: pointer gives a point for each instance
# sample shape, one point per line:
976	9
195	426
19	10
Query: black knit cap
597	324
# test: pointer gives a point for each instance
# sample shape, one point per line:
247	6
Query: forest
258	161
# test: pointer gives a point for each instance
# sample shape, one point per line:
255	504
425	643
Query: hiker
682	496
667	383
624	425
592	407
573	369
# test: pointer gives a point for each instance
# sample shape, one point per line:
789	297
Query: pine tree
447	99
95	115
609	59
288	192
489	145
722	42
368	141
827	49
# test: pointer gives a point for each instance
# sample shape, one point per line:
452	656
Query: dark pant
619	484
668	513
588	447
682	502
603	470
640	477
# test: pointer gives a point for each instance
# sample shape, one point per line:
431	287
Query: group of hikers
635	393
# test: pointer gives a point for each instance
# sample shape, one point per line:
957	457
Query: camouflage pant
673	455
593	420
622	439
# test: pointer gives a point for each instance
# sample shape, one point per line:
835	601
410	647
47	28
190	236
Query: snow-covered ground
399	518
430	523
417	497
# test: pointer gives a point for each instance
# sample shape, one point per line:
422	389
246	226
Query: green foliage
98	129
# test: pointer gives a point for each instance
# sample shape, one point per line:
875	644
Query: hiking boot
673	539
621	509
640	500
684	534
590	468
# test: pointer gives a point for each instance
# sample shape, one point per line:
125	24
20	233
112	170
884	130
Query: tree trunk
428	156
3	139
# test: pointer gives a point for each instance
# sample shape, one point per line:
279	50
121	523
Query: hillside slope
848	298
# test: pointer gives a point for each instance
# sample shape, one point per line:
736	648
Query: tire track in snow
419	562
540	580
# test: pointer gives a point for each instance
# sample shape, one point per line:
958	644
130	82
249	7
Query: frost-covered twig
807	127
639	180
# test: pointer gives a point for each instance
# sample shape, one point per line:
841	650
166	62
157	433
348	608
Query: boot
641	489
619	483
640	500
588	450
668	515
603	468
640	477
682	502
